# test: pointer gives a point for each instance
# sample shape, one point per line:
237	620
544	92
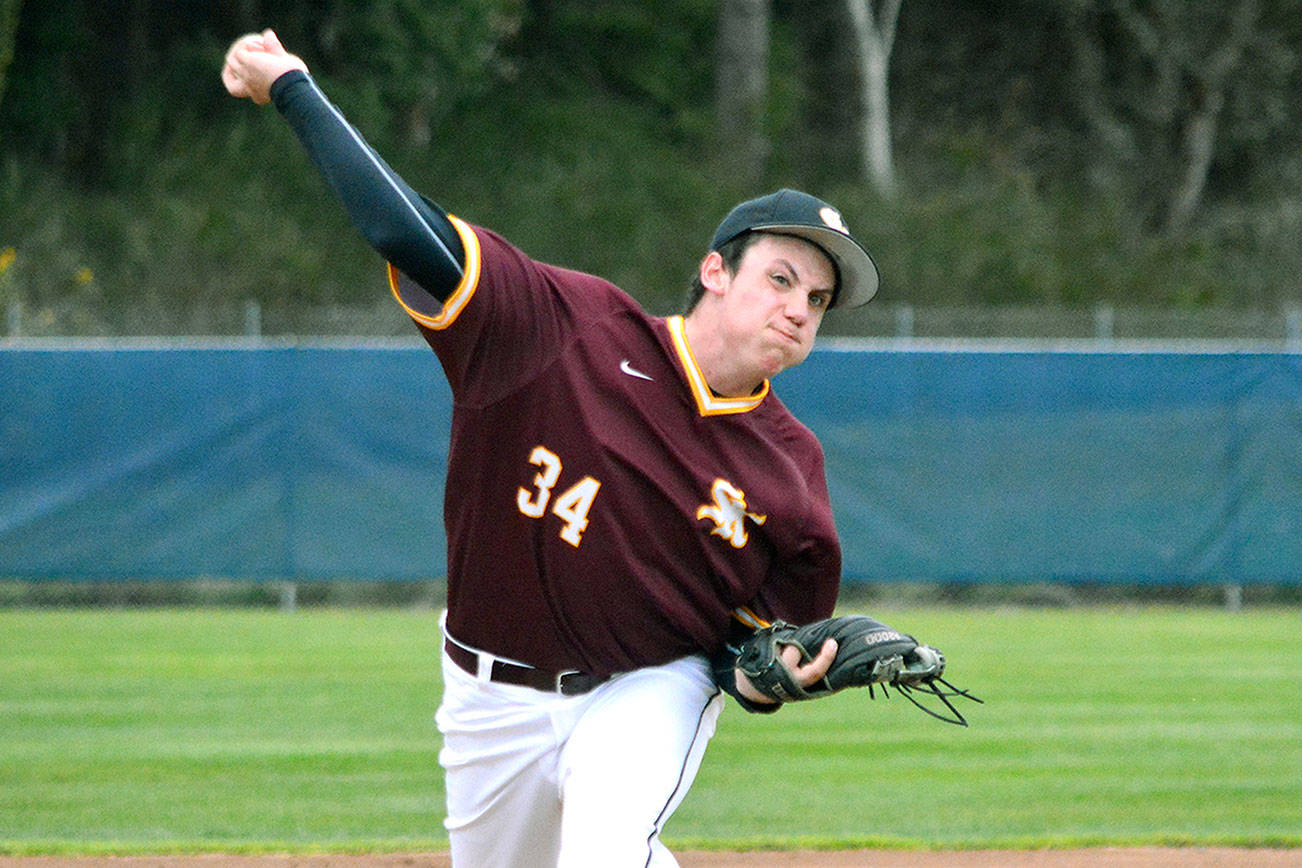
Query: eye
819	299
780	279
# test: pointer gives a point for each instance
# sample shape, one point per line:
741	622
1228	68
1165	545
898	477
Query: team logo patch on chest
728	512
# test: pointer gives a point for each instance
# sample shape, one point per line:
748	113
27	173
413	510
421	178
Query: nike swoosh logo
632	371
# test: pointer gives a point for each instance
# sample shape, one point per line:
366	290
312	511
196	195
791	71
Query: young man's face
776	300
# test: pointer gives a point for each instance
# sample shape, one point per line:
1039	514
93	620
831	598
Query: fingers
808	673
271	43
243	81
254	62
231	67
805	674
818	667
234	86
249	41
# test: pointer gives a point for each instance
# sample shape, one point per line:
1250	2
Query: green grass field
225	730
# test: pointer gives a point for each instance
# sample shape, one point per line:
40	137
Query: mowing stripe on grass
148	731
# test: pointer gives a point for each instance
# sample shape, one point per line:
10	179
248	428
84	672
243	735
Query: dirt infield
1101	857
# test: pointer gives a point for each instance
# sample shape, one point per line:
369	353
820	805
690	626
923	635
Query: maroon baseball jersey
604	509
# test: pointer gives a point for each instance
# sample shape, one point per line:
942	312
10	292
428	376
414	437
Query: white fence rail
1282	326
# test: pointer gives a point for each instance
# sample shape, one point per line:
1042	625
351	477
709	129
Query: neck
717	361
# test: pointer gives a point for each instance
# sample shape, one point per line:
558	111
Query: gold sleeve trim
455	302
749	618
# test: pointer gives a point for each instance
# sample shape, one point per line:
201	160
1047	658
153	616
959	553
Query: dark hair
732	253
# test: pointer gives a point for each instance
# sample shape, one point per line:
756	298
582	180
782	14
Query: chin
798	355
772	370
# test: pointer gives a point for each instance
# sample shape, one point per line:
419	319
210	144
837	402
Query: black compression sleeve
409	231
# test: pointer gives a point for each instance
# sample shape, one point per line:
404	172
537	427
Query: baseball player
625	496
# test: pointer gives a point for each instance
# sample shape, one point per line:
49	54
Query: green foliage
430	62
658	56
583	132
203	730
8	28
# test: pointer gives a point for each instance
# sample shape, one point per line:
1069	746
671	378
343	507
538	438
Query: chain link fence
383	319
248	319
1281	327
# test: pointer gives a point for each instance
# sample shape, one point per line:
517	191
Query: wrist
747	690
285	81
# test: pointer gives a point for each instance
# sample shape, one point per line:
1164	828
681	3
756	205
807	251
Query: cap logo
832	218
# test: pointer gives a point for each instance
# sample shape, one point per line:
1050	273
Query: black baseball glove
869	654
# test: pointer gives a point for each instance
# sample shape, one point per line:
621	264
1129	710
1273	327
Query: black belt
568	683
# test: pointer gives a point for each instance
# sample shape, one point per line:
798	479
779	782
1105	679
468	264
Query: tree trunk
875	34
741	86
1199	146
1211	79
830	114
8	32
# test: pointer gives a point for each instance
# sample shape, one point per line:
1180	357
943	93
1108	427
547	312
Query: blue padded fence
327	462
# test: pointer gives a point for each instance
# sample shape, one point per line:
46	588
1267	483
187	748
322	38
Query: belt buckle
578	688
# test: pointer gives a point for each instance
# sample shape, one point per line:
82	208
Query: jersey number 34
570	506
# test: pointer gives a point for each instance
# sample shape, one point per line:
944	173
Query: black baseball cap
790	212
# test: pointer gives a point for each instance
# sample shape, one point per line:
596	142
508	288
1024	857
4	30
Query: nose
797	308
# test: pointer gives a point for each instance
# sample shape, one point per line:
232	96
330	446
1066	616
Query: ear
714	274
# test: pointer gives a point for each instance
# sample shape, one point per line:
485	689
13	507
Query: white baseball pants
540	779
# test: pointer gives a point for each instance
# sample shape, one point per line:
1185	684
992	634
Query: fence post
1293	326
1104	319
252	318
1233	598
904	320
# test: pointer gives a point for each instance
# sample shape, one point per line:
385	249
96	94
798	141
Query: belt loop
484	669
565	690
